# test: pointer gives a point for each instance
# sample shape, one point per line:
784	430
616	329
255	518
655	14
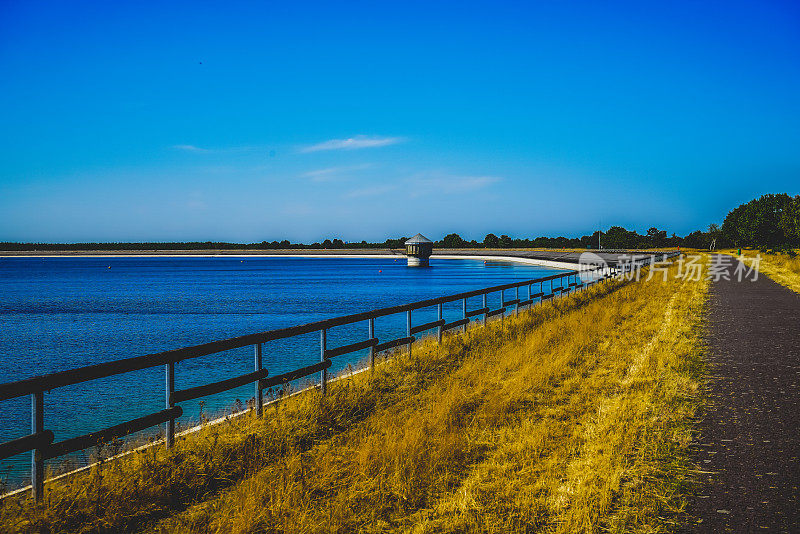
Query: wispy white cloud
353	143
331	173
223	150
371	191
190	148
421	185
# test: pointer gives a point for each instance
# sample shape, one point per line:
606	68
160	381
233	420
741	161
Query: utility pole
599	231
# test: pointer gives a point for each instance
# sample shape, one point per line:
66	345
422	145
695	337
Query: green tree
491	241
657	238
396	243
758	222
697	239
619	237
790	221
453	241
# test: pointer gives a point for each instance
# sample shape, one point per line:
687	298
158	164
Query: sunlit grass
575	417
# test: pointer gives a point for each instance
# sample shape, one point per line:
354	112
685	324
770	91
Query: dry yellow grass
575	417
783	268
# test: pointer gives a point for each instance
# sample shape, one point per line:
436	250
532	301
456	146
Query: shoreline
555	258
517	259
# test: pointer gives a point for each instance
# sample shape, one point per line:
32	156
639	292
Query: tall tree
790	221
453	241
758	222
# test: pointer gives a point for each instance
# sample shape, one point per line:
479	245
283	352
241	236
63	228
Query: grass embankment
783	268
574	417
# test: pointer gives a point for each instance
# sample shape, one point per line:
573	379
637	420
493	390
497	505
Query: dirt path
750	433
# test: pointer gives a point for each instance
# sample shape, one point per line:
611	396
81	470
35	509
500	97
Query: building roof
419	238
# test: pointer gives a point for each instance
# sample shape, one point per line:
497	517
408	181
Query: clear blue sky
250	121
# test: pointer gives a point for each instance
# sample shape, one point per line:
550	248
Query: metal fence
41	442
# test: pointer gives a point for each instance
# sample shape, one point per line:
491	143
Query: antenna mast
599	231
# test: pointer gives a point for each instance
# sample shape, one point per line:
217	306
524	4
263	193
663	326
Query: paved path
750	433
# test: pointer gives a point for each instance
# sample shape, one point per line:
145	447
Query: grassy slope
782	268
575	417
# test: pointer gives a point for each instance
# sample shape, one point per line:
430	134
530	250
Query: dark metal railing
41	442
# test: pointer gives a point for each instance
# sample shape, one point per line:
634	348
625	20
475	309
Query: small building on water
419	249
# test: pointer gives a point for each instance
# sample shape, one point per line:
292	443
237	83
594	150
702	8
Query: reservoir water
62	313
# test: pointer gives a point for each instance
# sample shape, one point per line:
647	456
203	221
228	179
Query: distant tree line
770	221
616	237
199	245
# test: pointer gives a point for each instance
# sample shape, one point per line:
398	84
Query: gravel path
749	443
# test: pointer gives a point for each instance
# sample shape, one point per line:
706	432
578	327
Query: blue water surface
62	313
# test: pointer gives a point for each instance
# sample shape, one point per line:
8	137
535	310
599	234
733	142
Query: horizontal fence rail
41	441
108	434
427	326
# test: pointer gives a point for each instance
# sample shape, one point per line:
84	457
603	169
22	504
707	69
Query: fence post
323	346
371	332
464	308
530	302
502	305
259	395
485	306
37	464
516	306
439	318
408	330
169	370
